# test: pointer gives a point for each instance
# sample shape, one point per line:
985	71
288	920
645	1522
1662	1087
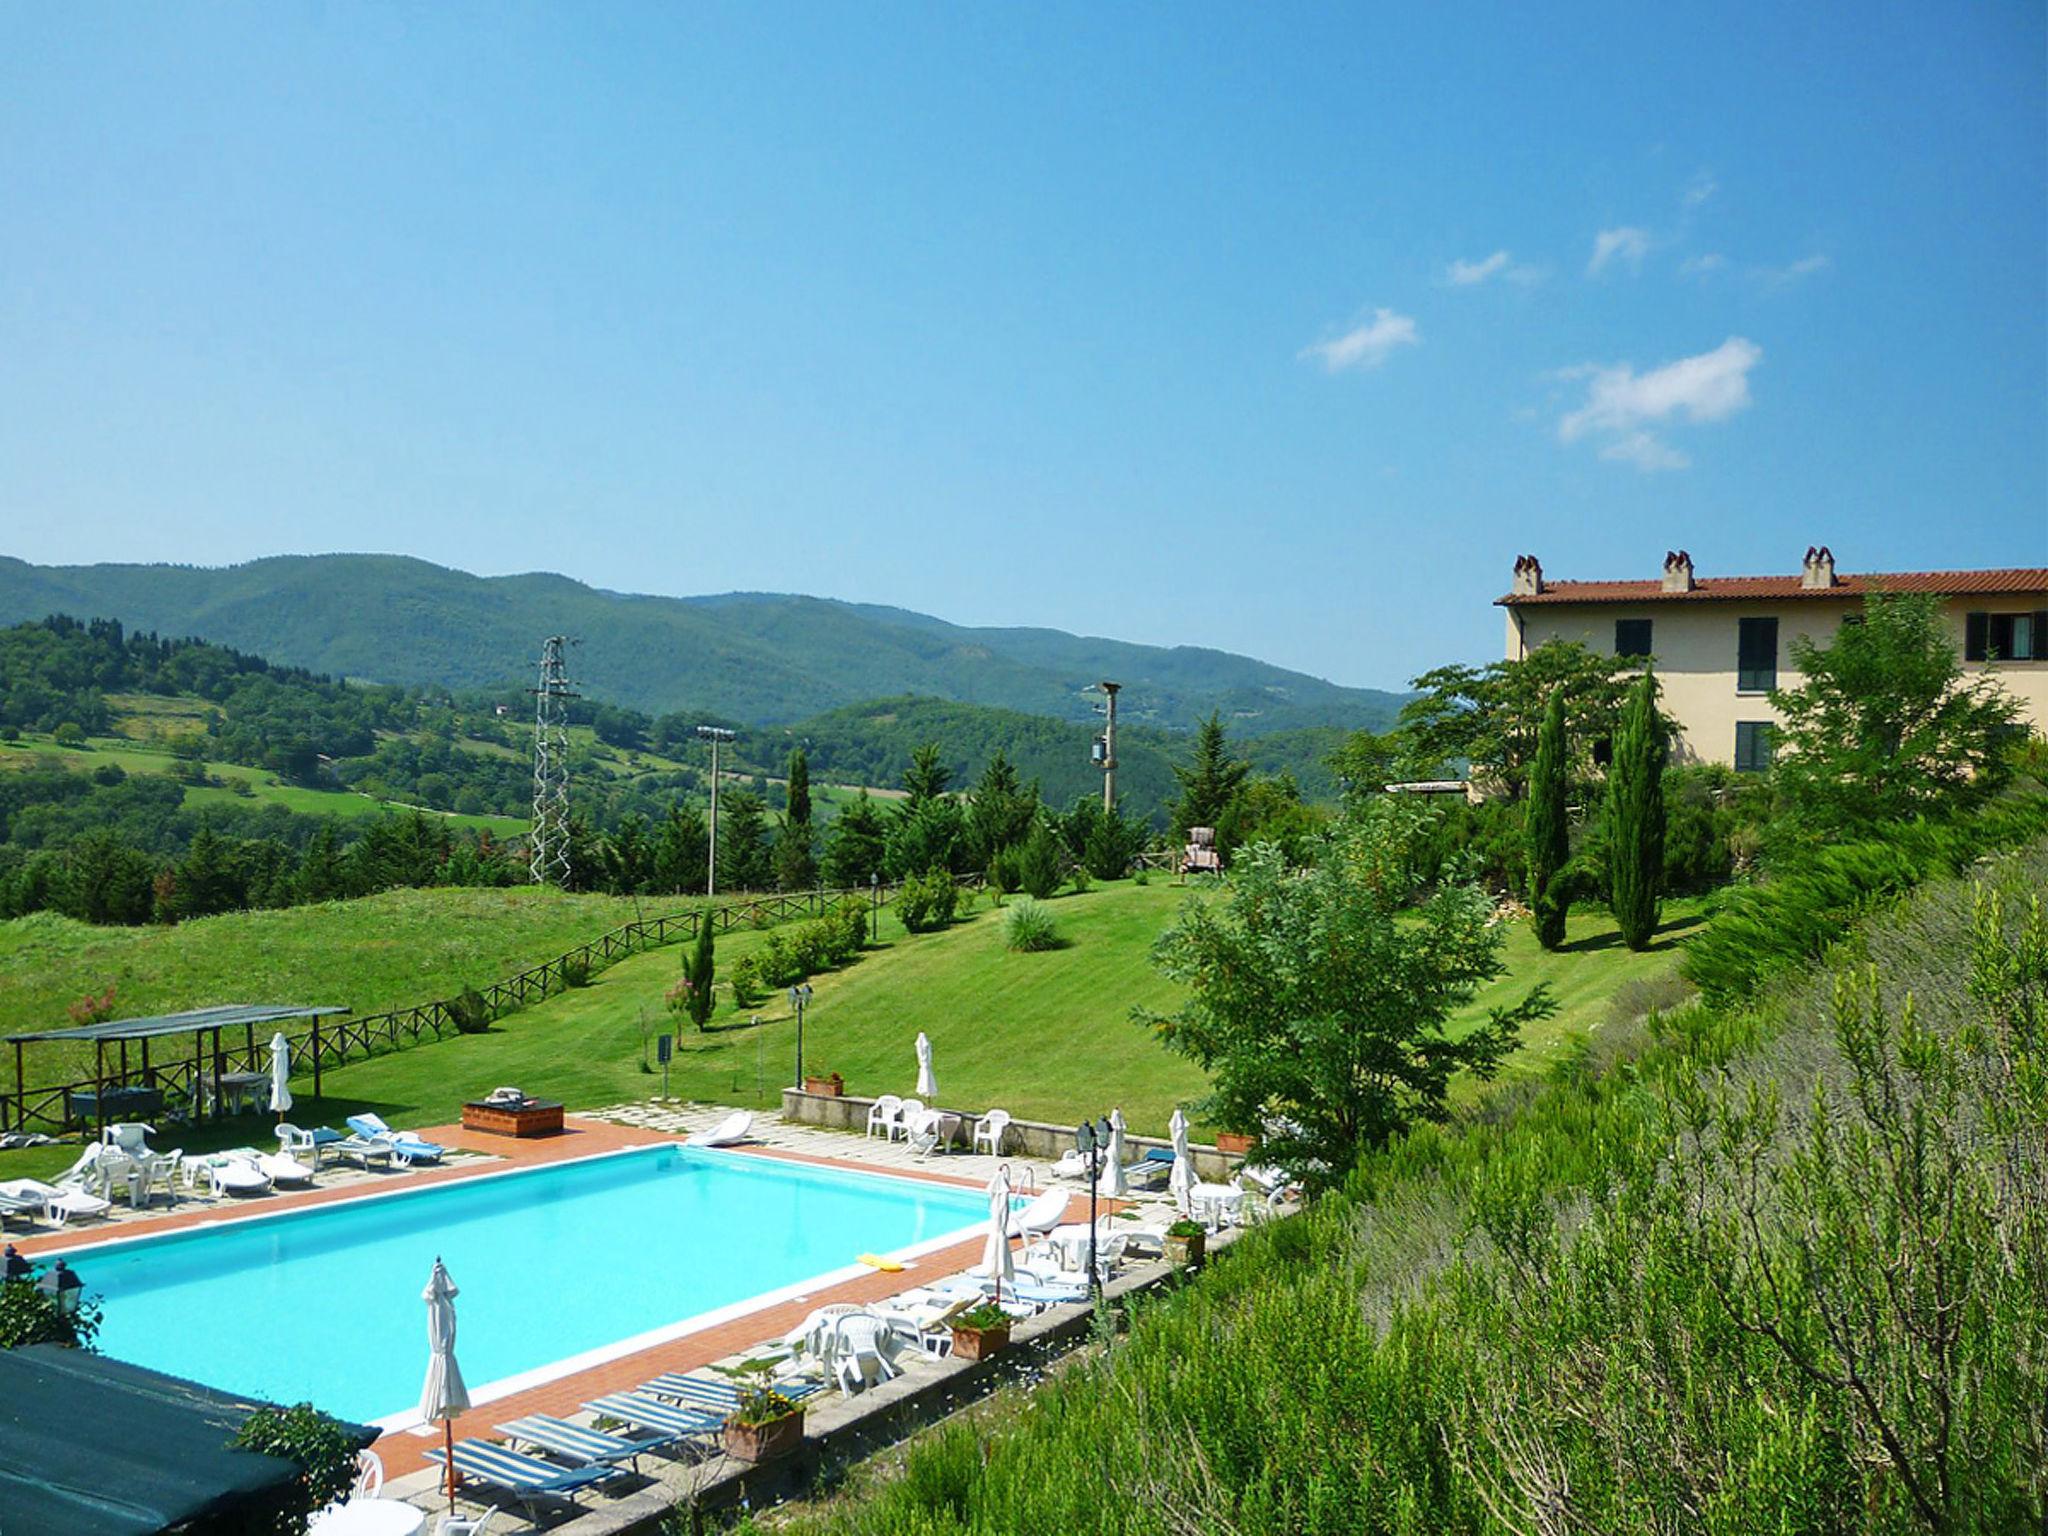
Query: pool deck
403	1451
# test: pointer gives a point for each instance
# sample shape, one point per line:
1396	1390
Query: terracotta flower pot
830	1087
972	1344
1186	1252
1230	1141
766	1441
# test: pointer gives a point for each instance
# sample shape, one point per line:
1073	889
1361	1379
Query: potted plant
764	1426
1234	1142
981	1332
1185	1243
832	1086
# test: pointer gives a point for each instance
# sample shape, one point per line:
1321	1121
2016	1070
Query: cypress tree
1635	816
799	811
697	970
1548	839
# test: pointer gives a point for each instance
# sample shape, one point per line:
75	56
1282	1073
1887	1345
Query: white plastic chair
991	1128
882	1115
466	1525
129	1137
925	1132
907	1112
858	1357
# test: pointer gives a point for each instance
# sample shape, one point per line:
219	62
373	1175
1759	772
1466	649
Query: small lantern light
64	1288
1084	1137
13	1266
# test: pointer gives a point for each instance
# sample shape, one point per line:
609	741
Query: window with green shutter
1632	637
1752	746
1756	655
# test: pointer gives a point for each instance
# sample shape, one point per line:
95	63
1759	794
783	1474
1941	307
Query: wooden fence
321	1045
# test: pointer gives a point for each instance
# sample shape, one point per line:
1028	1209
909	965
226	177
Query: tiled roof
1727	589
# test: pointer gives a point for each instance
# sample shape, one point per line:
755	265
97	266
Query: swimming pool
554	1263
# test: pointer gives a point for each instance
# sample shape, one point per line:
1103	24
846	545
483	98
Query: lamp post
799	995
13	1266
1092	1137
874	906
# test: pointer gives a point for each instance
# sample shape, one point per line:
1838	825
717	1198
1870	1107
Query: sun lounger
730	1131
1045	1212
283	1170
238	1176
644	1412
581	1444
719	1396
60	1202
370	1127
365	1150
528	1478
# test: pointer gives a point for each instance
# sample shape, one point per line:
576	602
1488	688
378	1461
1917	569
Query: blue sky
1274	328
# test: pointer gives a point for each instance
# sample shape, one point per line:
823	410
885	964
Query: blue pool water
324	1305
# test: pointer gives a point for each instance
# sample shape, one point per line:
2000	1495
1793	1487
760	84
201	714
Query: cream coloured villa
1722	643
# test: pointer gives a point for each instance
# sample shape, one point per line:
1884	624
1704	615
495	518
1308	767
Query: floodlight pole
1109	747
713	734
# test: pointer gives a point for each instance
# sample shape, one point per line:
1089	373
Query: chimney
1528	576
1819	570
1677	571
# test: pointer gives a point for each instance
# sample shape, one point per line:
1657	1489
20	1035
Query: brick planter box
533	1118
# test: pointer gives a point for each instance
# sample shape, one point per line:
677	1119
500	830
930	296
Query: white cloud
1647	453
1700	266
1792	272
1621	404
1627	243
1366	345
1465	274
1702	187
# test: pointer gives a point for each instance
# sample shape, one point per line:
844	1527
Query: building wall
1694	644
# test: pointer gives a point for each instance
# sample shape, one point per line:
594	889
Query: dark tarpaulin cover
96	1447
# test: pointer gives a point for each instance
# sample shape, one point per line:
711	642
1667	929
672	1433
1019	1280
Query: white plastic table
1215	1203
368	1517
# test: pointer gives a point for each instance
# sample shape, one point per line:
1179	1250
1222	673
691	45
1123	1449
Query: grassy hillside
1047	1036
1638	1301
400	947
753	656
264	788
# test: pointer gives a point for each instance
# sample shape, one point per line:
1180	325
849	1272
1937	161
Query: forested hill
754	657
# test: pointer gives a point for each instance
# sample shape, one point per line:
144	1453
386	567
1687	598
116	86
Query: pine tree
681	852
1000	810
1548	839
1635	816
1211	781
799	811
927	776
853	847
745	861
796	863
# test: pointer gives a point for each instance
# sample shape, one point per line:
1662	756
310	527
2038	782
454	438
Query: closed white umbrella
1182	1180
1112	1180
927	1085
995	1252
280	1073
444	1396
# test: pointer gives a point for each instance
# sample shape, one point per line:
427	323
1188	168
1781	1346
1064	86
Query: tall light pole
713	734
1105	746
799	998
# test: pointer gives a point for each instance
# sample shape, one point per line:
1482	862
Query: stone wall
1032	1139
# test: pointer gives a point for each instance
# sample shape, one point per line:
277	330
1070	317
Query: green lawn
396	948
1047	1036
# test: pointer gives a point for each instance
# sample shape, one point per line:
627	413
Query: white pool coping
603	1354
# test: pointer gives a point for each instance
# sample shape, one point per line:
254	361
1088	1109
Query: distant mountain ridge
762	658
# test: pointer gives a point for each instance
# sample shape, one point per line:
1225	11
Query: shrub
1003	872
925	903
472	1015
1142	877
576	970
1028	926
983	1315
29	1316
93	1010
1080	878
1041	863
315	1443
746	982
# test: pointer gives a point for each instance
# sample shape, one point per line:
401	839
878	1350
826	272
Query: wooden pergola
204	1025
